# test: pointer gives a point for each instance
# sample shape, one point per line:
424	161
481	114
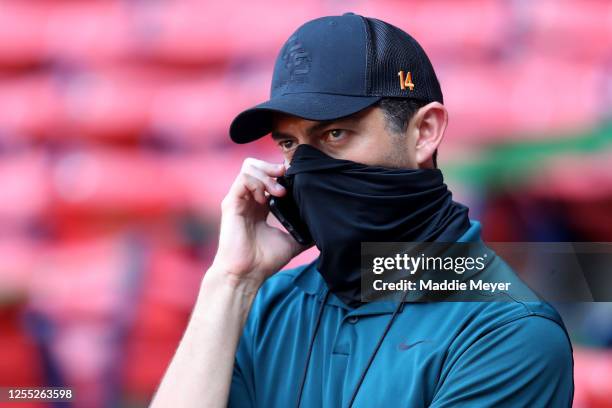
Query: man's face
363	137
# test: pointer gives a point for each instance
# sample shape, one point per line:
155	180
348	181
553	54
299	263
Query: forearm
200	372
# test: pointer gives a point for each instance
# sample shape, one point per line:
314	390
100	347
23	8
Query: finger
245	187
270	169
256	187
272	186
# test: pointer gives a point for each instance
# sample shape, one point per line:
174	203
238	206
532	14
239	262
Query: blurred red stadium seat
20	360
592	373
25	185
29	106
574	29
120	104
472	28
115	182
529	96
188	32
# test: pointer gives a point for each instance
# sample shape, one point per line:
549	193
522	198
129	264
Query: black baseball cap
335	66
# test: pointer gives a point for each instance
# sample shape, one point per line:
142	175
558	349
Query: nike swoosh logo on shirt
405	346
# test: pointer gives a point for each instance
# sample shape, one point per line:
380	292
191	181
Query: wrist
222	278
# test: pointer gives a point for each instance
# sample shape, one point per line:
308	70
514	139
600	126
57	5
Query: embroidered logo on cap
296	59
406	82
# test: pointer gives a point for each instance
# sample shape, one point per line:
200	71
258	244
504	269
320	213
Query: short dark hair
399	111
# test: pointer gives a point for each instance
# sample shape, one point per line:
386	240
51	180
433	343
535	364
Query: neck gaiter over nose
344	203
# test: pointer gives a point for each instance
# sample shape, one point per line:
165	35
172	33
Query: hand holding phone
286	211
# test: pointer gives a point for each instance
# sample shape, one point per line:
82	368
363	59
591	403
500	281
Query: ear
428	124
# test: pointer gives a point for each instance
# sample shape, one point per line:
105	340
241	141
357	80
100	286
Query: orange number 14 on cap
405	82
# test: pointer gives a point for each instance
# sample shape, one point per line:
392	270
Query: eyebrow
311	129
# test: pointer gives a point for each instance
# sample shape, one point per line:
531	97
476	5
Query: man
357	111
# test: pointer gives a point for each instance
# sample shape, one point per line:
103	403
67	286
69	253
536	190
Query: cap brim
256	122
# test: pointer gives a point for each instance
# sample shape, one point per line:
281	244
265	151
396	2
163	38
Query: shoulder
530	354
539	338
513	330
533	328
523	322
521	344
499	313
518	304
533	346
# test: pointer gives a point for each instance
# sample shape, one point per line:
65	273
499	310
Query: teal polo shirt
443	354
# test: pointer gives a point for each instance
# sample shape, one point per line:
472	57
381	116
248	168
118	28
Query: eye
286	144
334	135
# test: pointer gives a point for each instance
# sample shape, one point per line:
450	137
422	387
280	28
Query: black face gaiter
345	203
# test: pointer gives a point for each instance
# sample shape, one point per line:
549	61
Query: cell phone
286	211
